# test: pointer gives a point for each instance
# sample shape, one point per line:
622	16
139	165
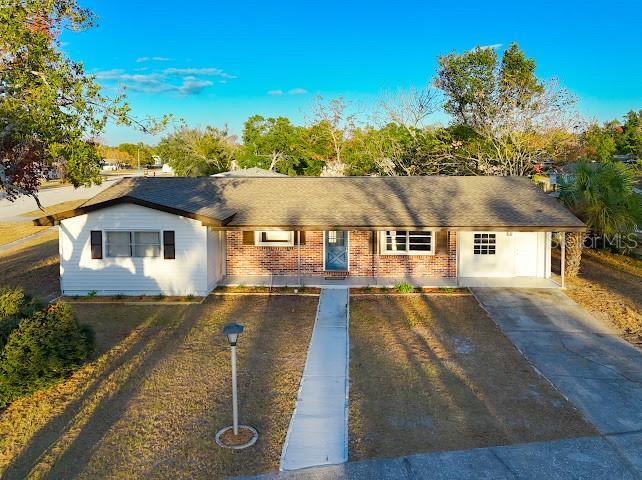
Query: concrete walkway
318	432
597	371
590	458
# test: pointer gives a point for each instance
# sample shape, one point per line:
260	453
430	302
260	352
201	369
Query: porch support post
563	255
298	255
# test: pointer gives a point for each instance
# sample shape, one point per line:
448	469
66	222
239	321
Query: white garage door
502	254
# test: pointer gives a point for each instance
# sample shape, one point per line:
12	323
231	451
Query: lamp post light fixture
232	331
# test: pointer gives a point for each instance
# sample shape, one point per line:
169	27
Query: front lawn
34	266
430	373
609	286
158	389
12	231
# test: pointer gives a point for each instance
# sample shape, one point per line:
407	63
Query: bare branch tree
409	108
338	126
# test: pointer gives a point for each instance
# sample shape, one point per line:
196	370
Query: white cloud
210	72
152	59
293	91
184	81
493	46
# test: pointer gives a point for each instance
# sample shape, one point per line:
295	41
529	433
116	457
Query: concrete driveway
584	358
600	373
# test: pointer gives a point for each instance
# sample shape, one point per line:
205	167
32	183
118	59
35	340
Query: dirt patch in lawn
151	402
435	373
415	291
610	287
34	266
267	290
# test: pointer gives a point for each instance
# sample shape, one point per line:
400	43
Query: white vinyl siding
216	256
137	274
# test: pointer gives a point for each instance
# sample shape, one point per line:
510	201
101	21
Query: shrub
404	287
43	349
92	294
11	301
14	305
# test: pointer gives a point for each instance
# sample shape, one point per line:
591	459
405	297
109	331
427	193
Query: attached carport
508	258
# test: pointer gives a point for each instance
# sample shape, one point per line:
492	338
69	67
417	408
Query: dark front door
336	250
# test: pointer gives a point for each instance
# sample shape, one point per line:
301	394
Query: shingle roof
356	202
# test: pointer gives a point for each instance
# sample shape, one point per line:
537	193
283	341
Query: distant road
10	210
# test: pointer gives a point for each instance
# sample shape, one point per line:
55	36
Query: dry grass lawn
151	401
610	287
435	373
34	266
12	231
55	208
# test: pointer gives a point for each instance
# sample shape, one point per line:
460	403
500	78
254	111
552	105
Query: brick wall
248	260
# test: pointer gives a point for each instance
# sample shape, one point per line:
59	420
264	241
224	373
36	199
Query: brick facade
251	260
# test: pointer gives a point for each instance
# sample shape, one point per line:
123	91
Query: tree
332	128
630	140
598	143
602	196
134	150
273	144
506	114
115	154
49	108
194	152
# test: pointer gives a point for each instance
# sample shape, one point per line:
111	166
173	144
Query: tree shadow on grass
436	374
34	268
156	411
77	452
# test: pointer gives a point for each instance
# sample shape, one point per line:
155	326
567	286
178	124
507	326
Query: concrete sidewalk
597	371
318	432
595	458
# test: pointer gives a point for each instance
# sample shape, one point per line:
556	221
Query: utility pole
138	154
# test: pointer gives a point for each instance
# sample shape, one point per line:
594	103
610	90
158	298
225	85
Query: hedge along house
179	236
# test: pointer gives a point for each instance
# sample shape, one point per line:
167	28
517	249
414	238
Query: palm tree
602	196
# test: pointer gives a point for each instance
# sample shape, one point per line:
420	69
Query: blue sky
219	62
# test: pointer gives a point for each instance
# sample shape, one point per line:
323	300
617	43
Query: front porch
360	282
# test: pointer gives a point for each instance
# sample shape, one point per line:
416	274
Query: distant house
167	169
180	235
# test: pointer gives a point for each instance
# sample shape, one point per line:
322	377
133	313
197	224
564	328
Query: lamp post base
246	438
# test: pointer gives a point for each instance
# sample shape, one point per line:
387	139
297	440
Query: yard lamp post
232	332
244	435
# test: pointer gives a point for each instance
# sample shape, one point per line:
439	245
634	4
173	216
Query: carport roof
308	203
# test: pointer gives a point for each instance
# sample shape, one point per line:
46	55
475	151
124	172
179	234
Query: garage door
501	254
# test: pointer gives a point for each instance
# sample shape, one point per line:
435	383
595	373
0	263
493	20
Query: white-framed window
133	244
484	244
274	238
406	242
